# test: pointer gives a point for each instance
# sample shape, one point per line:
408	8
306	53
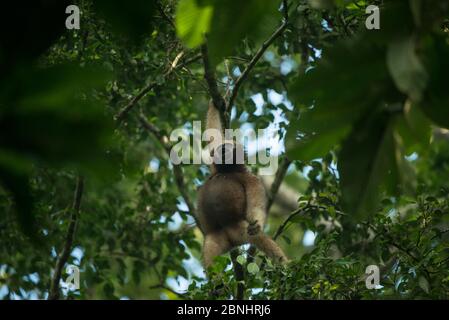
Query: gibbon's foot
253	228
283	260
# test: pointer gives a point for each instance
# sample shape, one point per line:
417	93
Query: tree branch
120	116
122	113
54	287
279	177
257	56
298	211
177	170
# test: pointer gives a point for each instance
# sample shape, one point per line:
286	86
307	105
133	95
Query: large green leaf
435	103
369	159
414	128
226	22
303	143
405	67
193	21
47	117
346	83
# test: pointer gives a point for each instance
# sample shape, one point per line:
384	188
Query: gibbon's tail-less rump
225	202
232	203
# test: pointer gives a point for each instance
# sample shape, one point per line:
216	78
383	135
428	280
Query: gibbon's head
229	157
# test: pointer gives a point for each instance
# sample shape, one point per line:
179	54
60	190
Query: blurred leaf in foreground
48	117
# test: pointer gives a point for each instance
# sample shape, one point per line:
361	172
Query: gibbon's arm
256	200
213	120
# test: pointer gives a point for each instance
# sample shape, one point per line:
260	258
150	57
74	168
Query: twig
257	56
54	287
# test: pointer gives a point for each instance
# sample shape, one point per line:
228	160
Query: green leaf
367	160
334	107
241	259
308	146
255	20
405	67
47	117
50	119
424	284
193	21
414	128
436	100
253	268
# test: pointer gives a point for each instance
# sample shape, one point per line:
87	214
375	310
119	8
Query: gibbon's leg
238	233
256	202
256	216
214	245
269	247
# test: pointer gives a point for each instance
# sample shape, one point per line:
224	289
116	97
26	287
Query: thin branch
298	211
122	113
279	177
54	287
286	221
177	170
257	56
173	67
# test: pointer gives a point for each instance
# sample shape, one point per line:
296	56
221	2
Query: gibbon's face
229	157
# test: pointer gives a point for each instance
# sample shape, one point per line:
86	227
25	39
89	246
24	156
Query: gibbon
232	202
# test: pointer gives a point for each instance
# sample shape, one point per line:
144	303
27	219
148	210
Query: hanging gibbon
232	202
